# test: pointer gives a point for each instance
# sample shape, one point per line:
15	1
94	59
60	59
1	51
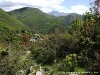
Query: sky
66	6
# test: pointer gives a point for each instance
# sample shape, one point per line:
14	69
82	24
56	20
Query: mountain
69	18
66	21
40	22
35	19
57	14
9	28
9	21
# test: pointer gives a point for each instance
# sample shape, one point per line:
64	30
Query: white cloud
12	8
80	9
44	5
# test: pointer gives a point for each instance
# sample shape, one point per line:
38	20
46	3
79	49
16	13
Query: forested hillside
9	27
38	21
34	42
9	20
66	21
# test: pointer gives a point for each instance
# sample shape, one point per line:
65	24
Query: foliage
75	50
69	63
80	70
10	21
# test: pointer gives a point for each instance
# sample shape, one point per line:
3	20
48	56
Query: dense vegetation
76	49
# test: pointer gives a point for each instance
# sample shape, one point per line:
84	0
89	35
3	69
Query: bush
4	53
81	70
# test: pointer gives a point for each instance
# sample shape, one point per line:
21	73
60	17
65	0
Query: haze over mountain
57	14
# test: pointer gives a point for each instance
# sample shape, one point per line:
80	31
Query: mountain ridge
10	20
35	19
38	21
58	14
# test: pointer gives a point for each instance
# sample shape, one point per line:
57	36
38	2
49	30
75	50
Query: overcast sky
67	6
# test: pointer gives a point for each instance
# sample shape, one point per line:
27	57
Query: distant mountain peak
57	14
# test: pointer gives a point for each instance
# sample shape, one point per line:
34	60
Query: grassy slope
9	21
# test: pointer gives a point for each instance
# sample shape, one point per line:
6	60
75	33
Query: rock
39	73
21	72
73	74
31	68
33	73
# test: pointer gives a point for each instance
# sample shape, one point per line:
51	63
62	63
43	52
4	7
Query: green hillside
33	20
32	42
9	27
10	21
67	20
38	21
